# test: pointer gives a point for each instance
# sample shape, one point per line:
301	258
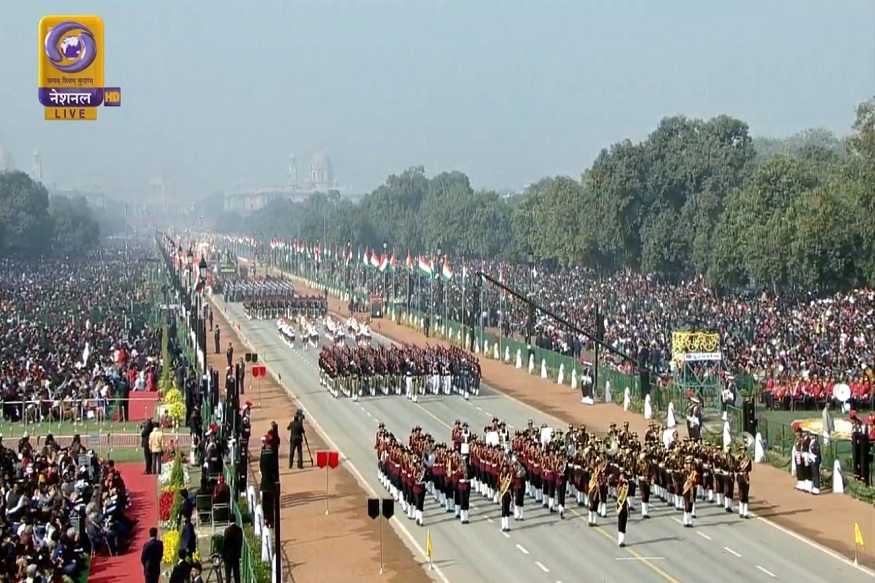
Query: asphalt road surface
542	548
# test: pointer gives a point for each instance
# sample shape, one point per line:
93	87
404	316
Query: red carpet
143	491
142	405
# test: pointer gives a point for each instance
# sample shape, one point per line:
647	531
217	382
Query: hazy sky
221	93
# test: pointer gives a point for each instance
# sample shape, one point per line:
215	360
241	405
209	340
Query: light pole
348	269
201	332
385	278
530	324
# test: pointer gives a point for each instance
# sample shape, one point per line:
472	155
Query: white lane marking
489	519
731	552
703	535
479	408
397	524
542	567
640	558
766	571
505	535
522	549
487	413
787	531
369	413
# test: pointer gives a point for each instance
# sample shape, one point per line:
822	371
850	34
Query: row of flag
383	262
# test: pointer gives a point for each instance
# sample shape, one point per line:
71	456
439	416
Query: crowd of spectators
799	345
73	339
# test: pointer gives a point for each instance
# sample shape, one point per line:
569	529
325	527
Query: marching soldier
504	496
689	492
622	508
644	477
742	477
463	486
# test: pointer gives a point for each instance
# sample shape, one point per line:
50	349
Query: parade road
541	548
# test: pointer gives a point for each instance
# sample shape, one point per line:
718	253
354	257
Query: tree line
34	224
695	197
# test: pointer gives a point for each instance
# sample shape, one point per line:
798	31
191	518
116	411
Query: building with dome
320	179
7	164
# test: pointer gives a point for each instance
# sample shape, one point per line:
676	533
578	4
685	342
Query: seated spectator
68	555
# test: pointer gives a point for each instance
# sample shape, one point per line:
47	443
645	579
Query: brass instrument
595	477
622	495
505	484
612	448
690	484
520	469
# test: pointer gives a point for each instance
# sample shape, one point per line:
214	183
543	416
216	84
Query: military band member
594	491
742	477
419	495
689	492
504	495
464	488
622	508
644	473
519	488
729	465
561	484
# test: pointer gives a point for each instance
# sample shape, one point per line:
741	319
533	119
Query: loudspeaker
749	416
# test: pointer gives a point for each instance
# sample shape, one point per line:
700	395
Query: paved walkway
342	547
827	519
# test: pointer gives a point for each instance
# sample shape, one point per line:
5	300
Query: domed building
321	172
320	180
7	164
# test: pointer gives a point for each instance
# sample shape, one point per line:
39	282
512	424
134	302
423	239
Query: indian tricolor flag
409	263
366	258
375	260
446	272
384	262
425	266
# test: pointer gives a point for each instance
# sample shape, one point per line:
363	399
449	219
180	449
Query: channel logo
71	74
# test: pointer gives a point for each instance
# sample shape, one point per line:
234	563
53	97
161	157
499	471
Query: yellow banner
71	113
694	342
858	536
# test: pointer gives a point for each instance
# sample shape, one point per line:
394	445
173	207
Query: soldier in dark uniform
267	465
622	508
742	477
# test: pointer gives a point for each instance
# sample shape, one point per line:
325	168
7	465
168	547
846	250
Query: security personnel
296	440
267	465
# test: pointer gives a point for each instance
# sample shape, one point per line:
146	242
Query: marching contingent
271	299
548	467
393	370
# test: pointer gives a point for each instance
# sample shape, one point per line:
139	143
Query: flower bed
173	478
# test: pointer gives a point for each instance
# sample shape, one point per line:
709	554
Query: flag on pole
858	536
428	546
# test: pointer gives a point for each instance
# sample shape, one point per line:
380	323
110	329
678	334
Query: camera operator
297	434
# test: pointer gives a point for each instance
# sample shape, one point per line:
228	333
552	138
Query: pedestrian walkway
143	491
827	519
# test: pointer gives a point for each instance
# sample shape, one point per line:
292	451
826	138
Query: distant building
320	180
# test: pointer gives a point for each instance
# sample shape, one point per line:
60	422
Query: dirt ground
827	519
344	546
